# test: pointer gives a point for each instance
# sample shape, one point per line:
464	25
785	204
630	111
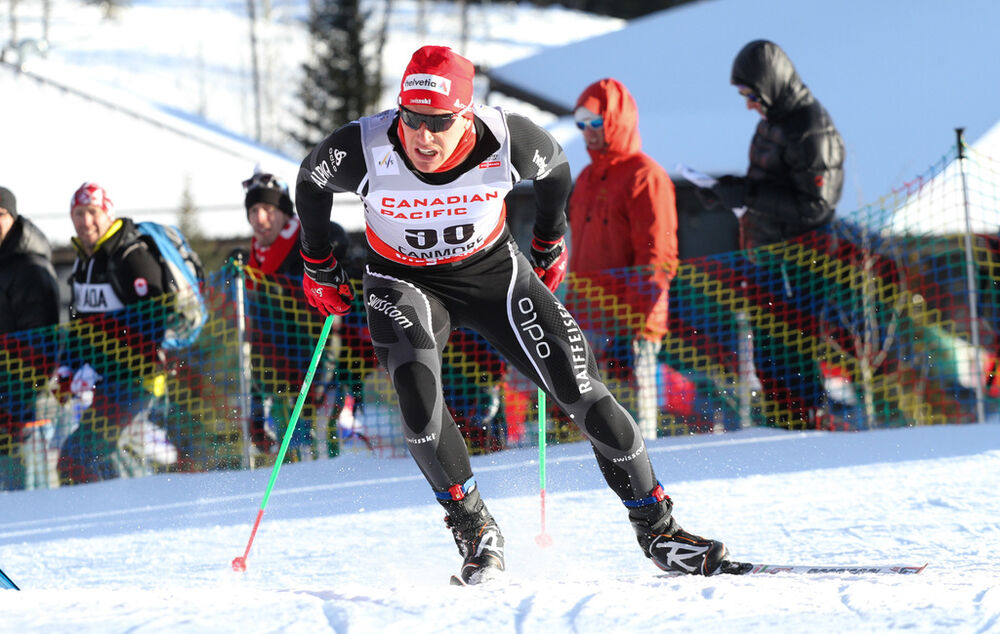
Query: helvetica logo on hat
423	81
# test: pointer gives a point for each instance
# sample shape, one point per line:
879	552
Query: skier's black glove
549	260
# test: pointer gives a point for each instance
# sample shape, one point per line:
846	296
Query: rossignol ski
735	568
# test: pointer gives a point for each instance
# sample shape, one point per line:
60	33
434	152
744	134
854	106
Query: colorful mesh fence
889	317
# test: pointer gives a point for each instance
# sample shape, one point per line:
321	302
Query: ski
6	583
890	569
736	568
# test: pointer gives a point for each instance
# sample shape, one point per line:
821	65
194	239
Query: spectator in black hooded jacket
796	171
29	292
791	188
29	298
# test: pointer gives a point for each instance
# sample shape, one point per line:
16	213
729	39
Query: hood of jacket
764	68
24	238
610	99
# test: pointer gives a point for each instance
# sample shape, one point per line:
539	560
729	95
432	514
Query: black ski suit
494	291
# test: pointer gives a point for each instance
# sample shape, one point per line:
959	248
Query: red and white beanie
92	194
439	77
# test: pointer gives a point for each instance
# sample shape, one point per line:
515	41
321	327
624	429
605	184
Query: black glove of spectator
731	191
238	255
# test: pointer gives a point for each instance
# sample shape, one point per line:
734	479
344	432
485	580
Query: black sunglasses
264	180
434	122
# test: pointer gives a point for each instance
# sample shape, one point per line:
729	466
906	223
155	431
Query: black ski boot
671	547
476	534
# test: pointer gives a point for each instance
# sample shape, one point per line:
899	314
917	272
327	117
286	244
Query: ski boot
672	548
476	534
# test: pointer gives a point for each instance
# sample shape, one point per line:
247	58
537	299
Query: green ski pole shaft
240	563
541	440
543	539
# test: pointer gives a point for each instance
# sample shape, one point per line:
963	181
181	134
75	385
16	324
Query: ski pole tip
240	564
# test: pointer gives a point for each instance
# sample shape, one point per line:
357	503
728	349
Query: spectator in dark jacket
796	171
274	252
29	298
791	188
29	292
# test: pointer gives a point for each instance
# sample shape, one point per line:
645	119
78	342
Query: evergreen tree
626	9
187	221
342	81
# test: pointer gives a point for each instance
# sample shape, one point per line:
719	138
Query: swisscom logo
424	81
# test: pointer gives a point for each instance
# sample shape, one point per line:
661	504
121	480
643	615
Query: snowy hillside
185	64
357	544
897	76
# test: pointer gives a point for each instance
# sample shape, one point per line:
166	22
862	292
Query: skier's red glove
550	260
327	287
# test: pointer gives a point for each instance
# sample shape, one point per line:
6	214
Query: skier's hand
549	260
327	287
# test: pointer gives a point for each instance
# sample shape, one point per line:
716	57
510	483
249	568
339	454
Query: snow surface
356	544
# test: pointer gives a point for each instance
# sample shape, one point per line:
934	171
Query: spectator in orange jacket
622	214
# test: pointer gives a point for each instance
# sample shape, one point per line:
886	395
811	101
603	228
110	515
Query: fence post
243	350
970	277
745	365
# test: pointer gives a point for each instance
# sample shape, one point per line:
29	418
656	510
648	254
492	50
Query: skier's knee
607	422
417	390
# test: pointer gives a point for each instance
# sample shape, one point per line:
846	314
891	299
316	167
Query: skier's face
91	223
267	222
429	150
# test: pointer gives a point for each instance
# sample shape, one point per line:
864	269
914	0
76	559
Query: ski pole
543	539
6	583
240	563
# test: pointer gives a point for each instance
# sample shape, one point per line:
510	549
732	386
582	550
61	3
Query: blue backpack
188	275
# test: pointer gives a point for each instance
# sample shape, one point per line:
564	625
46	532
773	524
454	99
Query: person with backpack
116	268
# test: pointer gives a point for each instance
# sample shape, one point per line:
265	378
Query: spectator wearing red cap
114	269
433	174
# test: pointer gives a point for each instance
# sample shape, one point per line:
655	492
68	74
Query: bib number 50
428	238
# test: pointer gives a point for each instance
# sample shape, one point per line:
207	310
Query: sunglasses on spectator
264	180
434	122
746	93
593	124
